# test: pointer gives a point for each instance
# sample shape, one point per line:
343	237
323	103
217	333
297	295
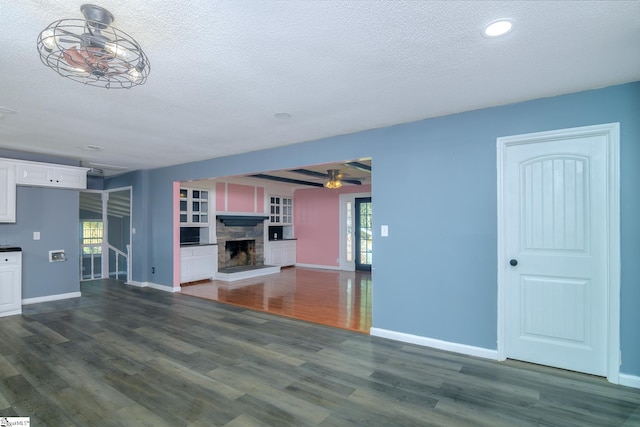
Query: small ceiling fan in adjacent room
335	179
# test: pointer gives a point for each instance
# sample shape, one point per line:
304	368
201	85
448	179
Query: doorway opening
105	234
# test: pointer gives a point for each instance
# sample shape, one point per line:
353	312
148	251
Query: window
91	237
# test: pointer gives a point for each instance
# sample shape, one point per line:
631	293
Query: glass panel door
364	234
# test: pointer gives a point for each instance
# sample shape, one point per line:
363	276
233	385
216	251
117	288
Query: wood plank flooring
125	356
341	299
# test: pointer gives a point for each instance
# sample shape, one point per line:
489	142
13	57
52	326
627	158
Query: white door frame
344	198
612	133
105	224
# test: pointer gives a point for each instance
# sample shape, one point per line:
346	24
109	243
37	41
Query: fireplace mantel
241	220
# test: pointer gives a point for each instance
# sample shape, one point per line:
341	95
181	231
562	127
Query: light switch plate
36	235
384	230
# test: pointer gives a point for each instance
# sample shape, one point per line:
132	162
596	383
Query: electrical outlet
153	270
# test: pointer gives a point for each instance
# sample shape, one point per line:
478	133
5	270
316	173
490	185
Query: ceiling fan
335	179
92	51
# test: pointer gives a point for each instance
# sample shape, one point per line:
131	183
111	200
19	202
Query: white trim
469	350
320	267
11	313
136	284
157	286
48	298
345	265
105	260
629	380
612	131
613	157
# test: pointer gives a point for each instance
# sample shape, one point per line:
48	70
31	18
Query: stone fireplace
239	253
240	241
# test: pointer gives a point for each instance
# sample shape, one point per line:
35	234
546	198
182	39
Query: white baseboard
434	343
48	298
157	286
136	284
321	267
629	380
11	313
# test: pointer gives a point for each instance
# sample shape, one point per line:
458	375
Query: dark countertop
9	248
281	240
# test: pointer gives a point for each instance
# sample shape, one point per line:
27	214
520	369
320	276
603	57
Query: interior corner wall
54	213
434	185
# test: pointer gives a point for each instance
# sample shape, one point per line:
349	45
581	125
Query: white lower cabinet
198	262
10	283
281	253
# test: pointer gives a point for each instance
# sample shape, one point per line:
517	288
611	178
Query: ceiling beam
323	175
310	173
359	166
287	180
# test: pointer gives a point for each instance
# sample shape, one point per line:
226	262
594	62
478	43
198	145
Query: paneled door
555	210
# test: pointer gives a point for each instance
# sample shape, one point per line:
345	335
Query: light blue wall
54	213
434	184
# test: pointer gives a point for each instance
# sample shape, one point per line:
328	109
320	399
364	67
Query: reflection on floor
335	298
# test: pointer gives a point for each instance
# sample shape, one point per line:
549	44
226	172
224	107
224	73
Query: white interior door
555	245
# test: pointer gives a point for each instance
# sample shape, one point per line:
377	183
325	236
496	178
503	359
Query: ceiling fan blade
68	33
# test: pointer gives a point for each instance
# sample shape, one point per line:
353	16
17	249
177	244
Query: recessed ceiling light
93	147
498	28
283	116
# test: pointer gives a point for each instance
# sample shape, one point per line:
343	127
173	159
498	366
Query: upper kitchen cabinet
7	192
49	175
194	206
280	210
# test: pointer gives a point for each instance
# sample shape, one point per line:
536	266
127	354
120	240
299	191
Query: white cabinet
194	206
198	262
281	252
10	283
7	192
280	210
49	175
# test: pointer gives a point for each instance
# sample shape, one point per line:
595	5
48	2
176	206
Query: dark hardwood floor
124	356
341	299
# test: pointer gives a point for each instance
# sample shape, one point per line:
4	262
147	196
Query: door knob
513	262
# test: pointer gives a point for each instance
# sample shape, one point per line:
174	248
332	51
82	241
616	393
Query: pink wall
176	234
317	223
221	194
239	198
260	199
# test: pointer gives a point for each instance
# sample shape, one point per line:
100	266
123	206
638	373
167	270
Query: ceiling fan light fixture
92	52
335	179
333	184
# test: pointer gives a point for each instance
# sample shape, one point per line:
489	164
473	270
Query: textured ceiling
220	70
